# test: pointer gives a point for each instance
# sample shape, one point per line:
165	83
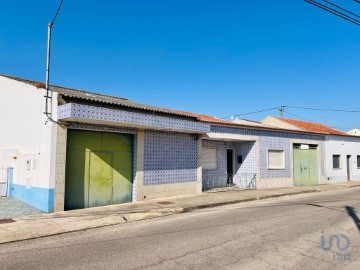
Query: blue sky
220	58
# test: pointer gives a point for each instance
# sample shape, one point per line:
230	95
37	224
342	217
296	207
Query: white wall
343	146
23	131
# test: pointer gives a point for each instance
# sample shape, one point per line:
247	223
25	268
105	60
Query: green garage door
98	169
305	166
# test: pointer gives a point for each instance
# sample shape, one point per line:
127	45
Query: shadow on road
352	213
327	207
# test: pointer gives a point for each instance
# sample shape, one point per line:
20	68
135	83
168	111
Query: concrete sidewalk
41	225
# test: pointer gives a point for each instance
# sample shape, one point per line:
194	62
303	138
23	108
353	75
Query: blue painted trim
41	198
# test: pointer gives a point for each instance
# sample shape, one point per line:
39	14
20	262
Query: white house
343	158
27	144
354	131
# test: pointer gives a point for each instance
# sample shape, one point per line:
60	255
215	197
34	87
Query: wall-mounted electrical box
28	164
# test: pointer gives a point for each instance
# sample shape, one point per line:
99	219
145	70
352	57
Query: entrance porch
229	163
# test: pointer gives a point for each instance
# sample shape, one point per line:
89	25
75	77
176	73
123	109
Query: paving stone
11	207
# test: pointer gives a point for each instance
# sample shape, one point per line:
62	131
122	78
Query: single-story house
342	150
84	149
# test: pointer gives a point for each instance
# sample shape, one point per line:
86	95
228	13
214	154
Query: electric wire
298	116
265	110
318	109
57	11
333	11
341	8
306	119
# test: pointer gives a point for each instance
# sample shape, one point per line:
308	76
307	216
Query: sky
220	58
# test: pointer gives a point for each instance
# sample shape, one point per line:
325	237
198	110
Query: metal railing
247	180
241	180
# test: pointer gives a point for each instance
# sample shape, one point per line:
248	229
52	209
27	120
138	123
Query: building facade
268	154
343	158
98	150
342	150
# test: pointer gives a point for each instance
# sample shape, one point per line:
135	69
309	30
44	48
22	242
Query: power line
343	9
265	110
333	11
57	11
357	1
347	126
298	116
306	119
318	109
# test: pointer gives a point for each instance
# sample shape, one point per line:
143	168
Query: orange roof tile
205	118
313	127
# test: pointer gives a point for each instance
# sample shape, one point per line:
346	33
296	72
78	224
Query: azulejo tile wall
276	140
102	128
243	173
283	141
73	110
169	158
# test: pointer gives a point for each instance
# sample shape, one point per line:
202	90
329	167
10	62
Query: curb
162	212
204	206
189	209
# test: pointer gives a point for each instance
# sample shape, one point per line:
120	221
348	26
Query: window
276	159
358	162
209	158
336	161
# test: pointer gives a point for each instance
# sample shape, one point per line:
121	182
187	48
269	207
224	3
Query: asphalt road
283	233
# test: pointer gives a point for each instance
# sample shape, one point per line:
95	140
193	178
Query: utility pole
49	94
48	97
281	109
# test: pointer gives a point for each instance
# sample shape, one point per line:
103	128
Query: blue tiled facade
243	172
169	158
86	112
102	128
276	140
172	157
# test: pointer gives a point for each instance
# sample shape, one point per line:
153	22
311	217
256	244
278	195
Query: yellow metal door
297	167
99	169
313	167
100	179
305	167
121	147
